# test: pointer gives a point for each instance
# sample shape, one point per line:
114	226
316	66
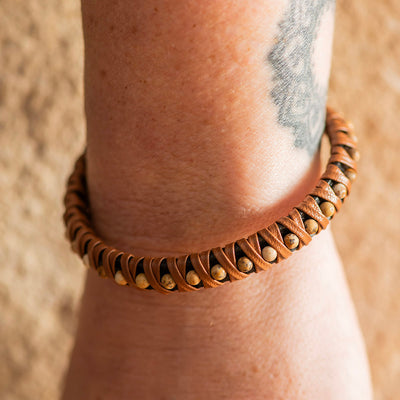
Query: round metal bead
119	278
168	282
218	272
350	126
291	241
340	190
354	154
85	260
351	174
350	131
75	246
269	254
192	278
141	281
244	264
327	208
354	137
311	226
102	272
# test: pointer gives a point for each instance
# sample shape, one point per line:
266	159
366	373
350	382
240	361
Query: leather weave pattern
108	260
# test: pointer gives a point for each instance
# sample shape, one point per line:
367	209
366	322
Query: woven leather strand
108	260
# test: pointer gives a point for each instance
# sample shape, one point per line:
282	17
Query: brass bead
85	260
350	125
311	226
351	174
353	137
168	282
75	246
244	264
291	241
350	131
354	154
340	190
141	281
192	278
119	278
269	254
218	272
102	272
327	208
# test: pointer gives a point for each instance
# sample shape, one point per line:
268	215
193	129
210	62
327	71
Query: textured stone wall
42	129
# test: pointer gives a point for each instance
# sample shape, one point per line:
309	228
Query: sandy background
42	129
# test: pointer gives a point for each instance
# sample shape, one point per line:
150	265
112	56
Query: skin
188	149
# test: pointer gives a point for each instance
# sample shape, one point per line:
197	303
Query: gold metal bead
168	282
85	260
350	131
192	278
218	272
353	137
269	254
311	226
340	190
119	278
350	125
354	154
291	241
351	174
244	264
141	281
75	246
327	208
102	272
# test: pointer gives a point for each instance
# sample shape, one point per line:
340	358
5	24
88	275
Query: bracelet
235	261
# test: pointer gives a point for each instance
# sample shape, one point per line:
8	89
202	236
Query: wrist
165	210
264	337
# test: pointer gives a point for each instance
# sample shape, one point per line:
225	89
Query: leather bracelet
235	261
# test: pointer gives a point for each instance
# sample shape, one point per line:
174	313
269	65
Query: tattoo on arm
297	93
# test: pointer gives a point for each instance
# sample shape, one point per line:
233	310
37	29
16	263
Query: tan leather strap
124	268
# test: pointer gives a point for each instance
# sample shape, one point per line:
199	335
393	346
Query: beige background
42	129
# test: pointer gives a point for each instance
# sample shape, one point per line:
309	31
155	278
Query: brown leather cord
168	274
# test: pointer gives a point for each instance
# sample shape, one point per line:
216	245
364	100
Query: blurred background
42	130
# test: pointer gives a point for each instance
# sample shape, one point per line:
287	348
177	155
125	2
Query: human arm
191	146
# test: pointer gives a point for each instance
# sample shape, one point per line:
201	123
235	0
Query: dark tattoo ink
299	97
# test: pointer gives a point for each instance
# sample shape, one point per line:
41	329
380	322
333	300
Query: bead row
279	240
244	264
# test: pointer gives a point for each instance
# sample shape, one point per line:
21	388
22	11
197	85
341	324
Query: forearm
199	134
192	118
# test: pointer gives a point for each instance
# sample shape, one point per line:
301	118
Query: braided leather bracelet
234	261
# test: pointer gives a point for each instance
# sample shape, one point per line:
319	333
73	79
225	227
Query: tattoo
300	98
